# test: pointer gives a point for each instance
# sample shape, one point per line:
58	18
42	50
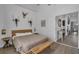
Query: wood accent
20	31
39	48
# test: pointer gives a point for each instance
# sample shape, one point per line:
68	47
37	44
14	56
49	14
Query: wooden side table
6	39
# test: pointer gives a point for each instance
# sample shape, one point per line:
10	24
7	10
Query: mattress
26	42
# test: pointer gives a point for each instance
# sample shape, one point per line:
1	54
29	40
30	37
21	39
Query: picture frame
43	23
3	32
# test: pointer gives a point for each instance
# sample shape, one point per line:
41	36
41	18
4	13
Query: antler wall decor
24	14
16	21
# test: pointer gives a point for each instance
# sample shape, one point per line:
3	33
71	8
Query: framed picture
3	31
43	23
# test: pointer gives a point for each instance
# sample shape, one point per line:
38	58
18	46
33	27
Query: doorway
67	32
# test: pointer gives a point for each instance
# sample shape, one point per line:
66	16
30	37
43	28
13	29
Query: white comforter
24	43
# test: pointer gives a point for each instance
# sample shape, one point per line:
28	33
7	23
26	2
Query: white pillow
22	34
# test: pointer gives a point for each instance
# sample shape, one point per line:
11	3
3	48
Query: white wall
2	22
49	13
8	12
14	11
2	18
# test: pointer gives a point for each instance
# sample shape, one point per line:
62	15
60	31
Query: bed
24	43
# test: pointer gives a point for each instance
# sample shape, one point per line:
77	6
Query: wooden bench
39	48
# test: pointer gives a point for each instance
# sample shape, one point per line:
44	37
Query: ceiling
32	7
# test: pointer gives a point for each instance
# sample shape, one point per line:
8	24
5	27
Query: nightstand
8	41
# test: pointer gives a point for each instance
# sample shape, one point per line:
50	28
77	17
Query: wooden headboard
20	31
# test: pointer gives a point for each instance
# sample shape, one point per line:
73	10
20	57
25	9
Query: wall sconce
30	22
16	21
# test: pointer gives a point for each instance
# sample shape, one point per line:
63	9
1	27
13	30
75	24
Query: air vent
38	4
49	4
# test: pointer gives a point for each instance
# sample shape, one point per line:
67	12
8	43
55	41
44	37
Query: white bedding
24	43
